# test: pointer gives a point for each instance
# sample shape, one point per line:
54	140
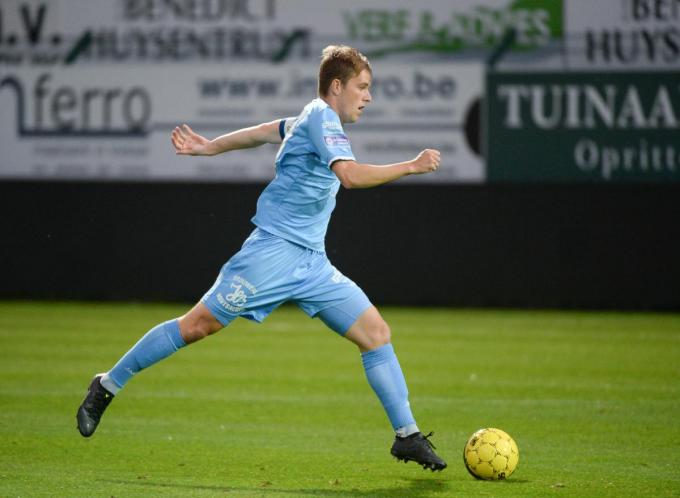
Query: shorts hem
335	305
352	316
222	318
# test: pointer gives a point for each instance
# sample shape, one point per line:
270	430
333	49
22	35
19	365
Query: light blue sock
158	343
387	380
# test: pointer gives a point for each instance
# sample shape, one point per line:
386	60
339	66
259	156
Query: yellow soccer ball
491	454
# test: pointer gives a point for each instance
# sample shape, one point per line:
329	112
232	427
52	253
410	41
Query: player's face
355	95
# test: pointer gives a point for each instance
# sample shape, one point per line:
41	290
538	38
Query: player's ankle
407	430
108	384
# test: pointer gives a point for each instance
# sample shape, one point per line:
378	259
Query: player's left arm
187	142
359	175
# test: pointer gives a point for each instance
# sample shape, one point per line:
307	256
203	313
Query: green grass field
282	409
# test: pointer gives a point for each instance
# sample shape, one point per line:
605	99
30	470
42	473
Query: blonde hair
340	62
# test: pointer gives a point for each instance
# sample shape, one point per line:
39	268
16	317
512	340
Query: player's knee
197	329
379	334
201	330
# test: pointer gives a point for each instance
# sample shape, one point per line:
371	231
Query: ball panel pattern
491	454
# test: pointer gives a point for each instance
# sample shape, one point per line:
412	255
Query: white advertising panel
622	34
90	89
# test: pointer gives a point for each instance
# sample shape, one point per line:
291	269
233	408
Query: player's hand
427	161
187	142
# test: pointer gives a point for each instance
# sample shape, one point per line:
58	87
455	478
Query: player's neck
332	103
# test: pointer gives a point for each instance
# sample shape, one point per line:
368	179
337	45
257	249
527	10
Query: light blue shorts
269	271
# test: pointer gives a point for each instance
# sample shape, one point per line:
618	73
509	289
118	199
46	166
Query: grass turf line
283	409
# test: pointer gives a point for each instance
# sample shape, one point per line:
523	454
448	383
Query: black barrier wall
604	247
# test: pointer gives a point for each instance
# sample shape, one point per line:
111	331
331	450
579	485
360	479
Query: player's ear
336	86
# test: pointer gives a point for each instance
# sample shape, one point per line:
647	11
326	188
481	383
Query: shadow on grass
406	488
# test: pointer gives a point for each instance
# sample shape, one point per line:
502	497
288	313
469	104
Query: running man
284	258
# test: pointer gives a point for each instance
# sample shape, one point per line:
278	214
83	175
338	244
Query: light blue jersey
298	202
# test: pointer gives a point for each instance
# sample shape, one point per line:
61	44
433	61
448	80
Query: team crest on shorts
236	300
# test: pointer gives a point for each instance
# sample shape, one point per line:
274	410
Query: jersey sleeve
328	137
285	125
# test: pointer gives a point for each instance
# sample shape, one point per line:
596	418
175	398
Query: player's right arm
187	142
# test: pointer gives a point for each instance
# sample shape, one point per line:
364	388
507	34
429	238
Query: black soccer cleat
419	449
93	406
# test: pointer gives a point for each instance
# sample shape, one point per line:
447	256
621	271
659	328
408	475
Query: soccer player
284	257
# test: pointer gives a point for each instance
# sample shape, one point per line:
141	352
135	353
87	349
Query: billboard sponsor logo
647	32
419	86
47	108
587	106
387	31
203	10
24	37
584	127
607	160
152	31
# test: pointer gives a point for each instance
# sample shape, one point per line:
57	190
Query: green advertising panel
583	127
